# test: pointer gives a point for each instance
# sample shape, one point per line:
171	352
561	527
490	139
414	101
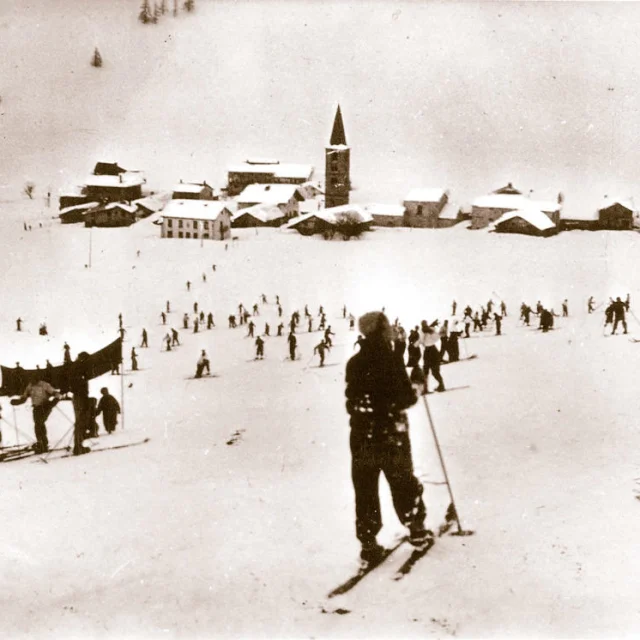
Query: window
188	235
419	210
169	234
180	235
180	224
206	236
169	222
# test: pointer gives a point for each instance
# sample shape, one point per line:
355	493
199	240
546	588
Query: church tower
337	155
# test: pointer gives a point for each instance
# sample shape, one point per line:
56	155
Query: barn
530	222
386	215
487	209
77	213
193	191
423	207
284	196
114	214
258	216
616	214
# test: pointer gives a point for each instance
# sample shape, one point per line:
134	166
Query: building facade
265	171
196	219
422	207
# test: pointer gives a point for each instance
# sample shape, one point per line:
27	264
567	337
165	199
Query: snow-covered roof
150	202
511	202
333	214
425	195
533	216
119	205
277	169
267	193
376	209
194	209
264	213
607	202
189	187
79	207
128	179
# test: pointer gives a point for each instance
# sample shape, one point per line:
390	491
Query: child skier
259	348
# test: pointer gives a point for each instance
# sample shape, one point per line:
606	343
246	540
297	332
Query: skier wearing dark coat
109	408
293	342
378	393
431	355
259	348
619	315
320	349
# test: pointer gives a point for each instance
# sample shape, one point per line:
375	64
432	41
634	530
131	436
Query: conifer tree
96	61
189	5
145	15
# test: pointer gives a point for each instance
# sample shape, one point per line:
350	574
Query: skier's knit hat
374	324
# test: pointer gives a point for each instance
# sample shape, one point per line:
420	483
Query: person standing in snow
591	305
618	316
79	387
144	342
378	392
498	320
210	322
109	408
280	328
167	340
431	355
320	349
267	329
43	398
168	307
259	348
293	343
134	359
251	327
163	316
185	320
174	338
188	286
352	322
310	325
399	340
202	364
565	308
327	336
627	302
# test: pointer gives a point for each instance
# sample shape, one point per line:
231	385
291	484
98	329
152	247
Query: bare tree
29	190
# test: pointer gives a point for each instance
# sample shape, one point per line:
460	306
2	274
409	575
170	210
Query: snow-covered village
319	319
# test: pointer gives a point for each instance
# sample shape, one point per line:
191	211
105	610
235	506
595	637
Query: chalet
616	214
108	169
526	221
386	215
487	209
199	219
284	196
114	214
77	213
193	191
325	220
122	187
147	206
72	197
266	171
258	216
423	206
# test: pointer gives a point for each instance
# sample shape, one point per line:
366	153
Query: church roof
338	136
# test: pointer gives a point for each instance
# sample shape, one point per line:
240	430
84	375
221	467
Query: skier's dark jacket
378	389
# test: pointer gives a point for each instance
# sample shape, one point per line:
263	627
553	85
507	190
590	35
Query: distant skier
378	393
259	348
293	343
134	359
201	316
144	342
619	315
468	321
19	324
413	351
175	341
280	328
627	302
163	316
565	308
167	340
168	307
204	277
188	286
454	306
310	325
120	321
256	312
608	313
399	340
251	327
279	311
267	329
320	310
591	305
109	408
66	359
323	319
431	355
344	311
210	322
202	364
352	322
498	320
196	324
320	349
185	320
546	320
195	307
43	330
327	336
503	309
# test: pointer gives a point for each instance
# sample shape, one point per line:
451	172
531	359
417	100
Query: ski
101	449
365	570
27	452
417	554
473	356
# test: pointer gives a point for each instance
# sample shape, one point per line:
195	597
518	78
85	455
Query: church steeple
337	135
337	166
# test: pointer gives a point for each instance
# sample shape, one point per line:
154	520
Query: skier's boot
419	537
371	553
440	388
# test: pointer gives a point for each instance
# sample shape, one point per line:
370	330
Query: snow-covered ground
236	519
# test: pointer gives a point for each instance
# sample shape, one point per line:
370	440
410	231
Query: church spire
337	135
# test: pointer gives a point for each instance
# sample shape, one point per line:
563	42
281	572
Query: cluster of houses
267	193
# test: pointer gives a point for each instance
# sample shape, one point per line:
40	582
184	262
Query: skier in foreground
378	392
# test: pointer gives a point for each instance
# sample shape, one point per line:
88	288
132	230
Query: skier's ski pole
452	512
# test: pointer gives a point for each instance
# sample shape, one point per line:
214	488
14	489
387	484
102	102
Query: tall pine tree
145	15
96	61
